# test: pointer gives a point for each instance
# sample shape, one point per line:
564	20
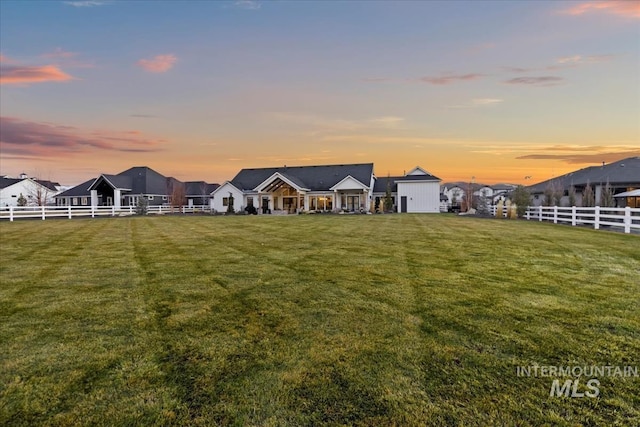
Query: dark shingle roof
625	171
380	185
78	190
198	188
315	178
6	182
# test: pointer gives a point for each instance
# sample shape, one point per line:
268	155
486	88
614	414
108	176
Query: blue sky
198	90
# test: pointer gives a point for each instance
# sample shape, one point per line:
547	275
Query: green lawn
313	319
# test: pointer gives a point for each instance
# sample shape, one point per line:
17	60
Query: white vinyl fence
45	212
626	219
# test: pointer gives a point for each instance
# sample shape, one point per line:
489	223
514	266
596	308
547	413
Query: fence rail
45	212
626	219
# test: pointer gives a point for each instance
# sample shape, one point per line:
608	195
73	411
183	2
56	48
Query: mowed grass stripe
314	319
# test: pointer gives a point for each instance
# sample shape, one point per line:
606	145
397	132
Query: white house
35	192
294	189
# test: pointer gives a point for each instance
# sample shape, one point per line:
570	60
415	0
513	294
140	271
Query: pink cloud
628	8
21	74
158	64
450	78
42	139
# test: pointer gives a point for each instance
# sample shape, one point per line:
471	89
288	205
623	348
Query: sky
486	91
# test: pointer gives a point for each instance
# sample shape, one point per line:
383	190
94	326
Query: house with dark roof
36	192
125	189
294	189
326	188
418	191
621	177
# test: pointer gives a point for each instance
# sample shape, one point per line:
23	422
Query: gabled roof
115	181
137	180
415	174
345	181
277	180
314	178
6	182
622	172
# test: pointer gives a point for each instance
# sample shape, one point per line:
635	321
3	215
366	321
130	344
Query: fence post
528	213
540	213
160	209
573	216
627	219
69	211
11	213
93	215
43	215
555	214
596	219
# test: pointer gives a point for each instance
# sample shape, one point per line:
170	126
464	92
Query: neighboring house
416	192
621	176
125	189
199	192
455	192
299	188
36	192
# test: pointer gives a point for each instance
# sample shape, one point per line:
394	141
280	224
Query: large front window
320	203
350	202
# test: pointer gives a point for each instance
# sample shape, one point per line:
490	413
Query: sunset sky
200	89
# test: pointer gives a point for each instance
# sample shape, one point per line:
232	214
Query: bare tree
177	194
205	194
39	194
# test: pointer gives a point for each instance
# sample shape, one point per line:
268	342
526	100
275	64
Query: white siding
223	192
422	197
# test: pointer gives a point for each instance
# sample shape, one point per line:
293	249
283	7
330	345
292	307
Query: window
225	201
150	197
249	201
74	201
164	197
83	201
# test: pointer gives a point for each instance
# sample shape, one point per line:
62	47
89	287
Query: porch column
94	198
116	198
305	205
337	202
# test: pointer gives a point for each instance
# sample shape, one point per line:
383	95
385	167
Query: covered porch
106	192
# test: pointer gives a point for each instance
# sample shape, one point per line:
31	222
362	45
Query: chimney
602	164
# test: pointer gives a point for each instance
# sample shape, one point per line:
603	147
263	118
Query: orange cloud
20	74
627	8
158	64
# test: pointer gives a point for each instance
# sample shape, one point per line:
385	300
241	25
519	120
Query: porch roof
277	180
115	181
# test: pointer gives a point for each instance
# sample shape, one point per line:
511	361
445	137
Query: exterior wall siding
422	197
222	192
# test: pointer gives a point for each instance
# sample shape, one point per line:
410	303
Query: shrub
521	198
142	206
